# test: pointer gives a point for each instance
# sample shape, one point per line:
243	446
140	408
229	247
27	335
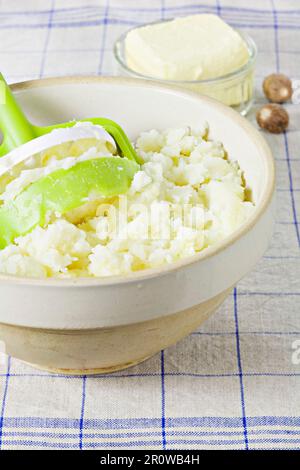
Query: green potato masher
61	190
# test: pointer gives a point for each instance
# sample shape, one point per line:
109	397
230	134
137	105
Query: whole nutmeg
277	88
273	118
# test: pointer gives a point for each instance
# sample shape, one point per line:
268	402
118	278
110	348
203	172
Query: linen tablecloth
235	383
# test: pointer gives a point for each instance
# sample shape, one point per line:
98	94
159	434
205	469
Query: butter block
195	47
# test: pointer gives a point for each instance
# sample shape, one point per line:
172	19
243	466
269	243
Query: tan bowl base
102	350
102	371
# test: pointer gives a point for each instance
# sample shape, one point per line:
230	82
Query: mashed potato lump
187	196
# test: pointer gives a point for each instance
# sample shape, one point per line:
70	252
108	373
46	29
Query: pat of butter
195	47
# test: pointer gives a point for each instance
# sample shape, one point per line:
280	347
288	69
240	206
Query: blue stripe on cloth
7	375
239	361
49	26
129	435
43	444
238	23
81	421
86	24
148	443
163	9
163	402
144	423
276	35
196	6
103	40
46	12
68	10
261	12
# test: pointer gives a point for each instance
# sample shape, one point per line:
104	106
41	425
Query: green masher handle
14	125
17	130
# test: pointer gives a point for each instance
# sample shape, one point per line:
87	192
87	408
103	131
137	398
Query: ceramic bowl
100	325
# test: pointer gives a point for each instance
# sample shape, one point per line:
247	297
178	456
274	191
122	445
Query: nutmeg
273	117
277	88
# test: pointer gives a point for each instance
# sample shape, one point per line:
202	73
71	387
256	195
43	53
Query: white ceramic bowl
101	325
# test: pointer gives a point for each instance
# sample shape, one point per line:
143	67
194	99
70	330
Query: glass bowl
234	89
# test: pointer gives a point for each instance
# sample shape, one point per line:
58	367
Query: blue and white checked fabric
231	385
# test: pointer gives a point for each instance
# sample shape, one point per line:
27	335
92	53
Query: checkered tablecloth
235	383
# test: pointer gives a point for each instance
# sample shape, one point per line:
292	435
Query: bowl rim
251	46
213	250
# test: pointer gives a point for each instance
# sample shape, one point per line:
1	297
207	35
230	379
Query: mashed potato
187	196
